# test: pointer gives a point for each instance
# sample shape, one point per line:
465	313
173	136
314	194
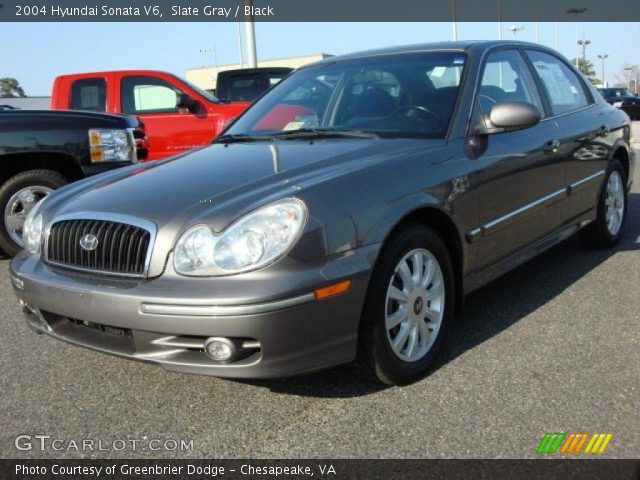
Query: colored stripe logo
573	443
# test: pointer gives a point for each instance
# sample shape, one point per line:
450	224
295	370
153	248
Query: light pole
602	59
515	29
240	47
454	24
250	35
629	69
583	43
576	11
499	20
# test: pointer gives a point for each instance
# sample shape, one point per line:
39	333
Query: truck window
245	88
148	95
89	94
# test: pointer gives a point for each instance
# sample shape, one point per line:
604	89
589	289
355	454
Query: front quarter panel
363	207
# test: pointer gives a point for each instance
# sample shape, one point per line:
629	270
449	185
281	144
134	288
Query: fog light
219	349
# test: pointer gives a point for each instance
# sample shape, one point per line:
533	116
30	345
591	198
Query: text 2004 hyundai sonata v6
342	217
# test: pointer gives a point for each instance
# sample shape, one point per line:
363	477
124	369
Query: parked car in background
623	99
403	179
41	151
178	115
247	84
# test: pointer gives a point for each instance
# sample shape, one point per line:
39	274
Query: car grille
121	248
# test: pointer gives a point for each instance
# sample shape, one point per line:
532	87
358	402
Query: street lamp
515	29
576	11
603	58
583	43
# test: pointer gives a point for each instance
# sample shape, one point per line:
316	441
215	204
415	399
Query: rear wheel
606	230
408	308
18	195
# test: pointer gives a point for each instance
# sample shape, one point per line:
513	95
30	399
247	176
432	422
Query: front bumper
272	317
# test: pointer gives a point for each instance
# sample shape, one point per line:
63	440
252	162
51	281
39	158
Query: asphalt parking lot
553	346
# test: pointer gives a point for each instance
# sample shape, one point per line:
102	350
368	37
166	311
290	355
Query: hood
219	183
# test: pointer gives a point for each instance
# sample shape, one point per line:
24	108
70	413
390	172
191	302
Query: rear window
244	88
89	94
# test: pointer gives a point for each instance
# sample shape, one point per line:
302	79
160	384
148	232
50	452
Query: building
27	103
205	77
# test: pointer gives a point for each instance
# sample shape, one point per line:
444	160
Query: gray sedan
342	218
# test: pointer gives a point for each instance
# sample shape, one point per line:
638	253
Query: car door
585	139
520	175
170	129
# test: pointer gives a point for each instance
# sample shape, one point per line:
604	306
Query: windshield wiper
311	133
241	137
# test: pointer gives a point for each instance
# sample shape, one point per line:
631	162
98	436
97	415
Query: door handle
552	146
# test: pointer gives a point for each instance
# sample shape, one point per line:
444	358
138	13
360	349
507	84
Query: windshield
410	95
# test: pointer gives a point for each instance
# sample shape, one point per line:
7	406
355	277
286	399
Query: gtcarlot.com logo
573	443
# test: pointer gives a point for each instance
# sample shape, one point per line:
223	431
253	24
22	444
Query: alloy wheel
614	202
414	305
19	206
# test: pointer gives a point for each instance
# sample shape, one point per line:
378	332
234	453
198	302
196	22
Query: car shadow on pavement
487	312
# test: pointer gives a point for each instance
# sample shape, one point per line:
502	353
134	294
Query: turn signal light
332	290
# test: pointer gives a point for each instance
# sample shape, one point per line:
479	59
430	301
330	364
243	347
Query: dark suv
623	99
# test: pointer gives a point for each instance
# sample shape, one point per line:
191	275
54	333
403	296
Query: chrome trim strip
474	234
546	199
586	180
148	225
223	310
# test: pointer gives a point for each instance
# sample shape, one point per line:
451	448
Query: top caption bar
319	10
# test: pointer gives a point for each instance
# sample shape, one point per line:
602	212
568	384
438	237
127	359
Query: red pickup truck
177	115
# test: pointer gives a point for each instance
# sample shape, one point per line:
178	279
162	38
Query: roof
462	45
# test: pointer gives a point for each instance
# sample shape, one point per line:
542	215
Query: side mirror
185	102
510	116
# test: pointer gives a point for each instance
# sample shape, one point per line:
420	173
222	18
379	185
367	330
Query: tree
586	67
9	87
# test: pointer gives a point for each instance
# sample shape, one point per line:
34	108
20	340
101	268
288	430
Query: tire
40	183
601	233
377	359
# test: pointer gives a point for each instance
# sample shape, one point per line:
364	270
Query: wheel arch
621	154
66	165
441	223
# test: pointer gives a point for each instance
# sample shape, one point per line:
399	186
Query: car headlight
32	229
116	145
253	241
617	104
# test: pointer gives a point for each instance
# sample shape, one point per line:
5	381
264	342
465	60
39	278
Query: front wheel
18	195
408	308
606	230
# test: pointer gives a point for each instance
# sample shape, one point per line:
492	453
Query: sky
35	53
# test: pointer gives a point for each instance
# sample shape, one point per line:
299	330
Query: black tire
44	178
376	359
597	234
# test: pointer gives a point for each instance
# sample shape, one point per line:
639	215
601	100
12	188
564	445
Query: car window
244	88
564	89
506	78
148	95
89	94
394	95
